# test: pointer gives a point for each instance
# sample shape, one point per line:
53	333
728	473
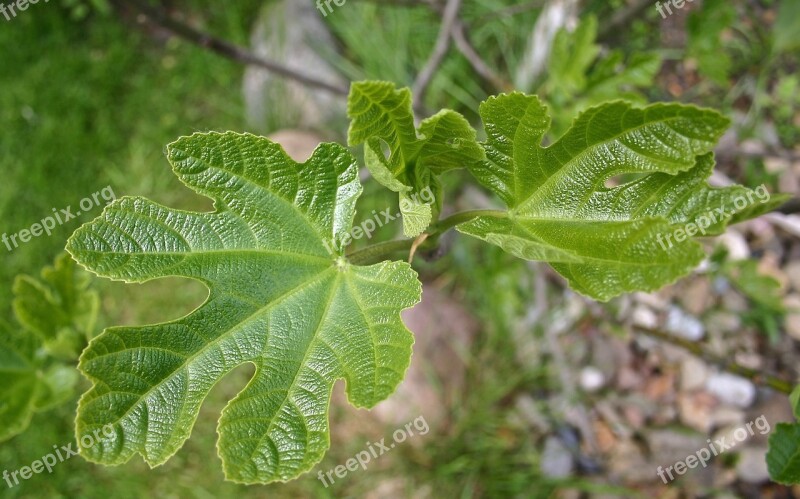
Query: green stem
380	251
448	223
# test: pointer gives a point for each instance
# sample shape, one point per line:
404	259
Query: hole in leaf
386	150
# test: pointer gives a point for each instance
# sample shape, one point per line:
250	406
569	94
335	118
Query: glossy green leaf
604	241
381	116
783	456
277	299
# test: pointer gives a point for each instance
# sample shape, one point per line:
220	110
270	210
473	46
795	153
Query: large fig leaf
381	115
606	240
277	299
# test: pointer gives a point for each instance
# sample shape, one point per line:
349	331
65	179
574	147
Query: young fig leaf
277	299
381	115
57	313
606	240
60	308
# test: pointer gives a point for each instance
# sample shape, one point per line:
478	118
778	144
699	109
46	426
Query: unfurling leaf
606	241
382	115
277	299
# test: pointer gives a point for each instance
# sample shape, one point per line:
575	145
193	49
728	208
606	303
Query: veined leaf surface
606	241
277	299
381	114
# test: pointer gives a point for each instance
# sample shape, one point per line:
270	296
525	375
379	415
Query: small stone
660	388
696	296
787	182
626	463
736	245
766	413
752	465
752	146
732	390
644	316
693	374
556	460
669	445
750	360
634	416
775	164
726	416
651	300
695	410
723	322
791	321
592	379
684	325
734	302
604	436
792	270
628	378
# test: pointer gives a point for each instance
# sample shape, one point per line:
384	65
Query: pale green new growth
277	299
381	115
605	241
57	314
60	308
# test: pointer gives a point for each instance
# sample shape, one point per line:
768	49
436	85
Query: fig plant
305	316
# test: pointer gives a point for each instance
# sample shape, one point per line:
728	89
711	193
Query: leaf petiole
379	251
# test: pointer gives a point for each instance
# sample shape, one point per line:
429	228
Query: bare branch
225	48
425	76
480	67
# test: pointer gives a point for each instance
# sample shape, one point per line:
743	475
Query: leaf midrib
268	306
593	147
579	256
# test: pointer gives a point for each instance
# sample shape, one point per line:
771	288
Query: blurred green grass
92	103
